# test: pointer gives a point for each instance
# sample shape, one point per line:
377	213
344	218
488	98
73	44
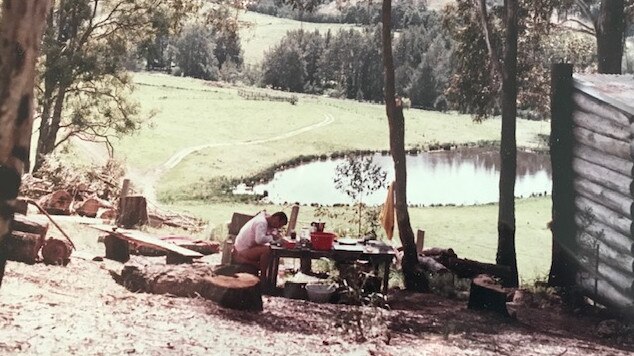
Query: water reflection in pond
466	177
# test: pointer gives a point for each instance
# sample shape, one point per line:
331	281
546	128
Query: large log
134	213
599	158
239	291
430	264
591	105
88	207
56	252
23	246
25	224
465	268
602	143
486	294
609	198
602	176
180	280
56	203
602	125
602	214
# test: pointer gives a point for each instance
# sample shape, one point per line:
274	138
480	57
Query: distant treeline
404	13
348	64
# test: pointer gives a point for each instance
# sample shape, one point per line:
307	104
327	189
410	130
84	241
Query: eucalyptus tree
605	20
84	86
489	79
21	26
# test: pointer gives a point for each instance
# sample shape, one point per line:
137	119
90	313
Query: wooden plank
147	240
602	176
602	143
611	162
601	195
602	125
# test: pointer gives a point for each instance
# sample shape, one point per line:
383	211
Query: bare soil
79	309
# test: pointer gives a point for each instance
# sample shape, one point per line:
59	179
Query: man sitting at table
250	245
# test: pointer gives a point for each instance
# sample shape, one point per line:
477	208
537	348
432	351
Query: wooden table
377	255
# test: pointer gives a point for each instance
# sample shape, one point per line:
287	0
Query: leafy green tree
228	47
194	53
284	69
358	176
84	89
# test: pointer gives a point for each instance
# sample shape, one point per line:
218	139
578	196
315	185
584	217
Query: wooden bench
117	245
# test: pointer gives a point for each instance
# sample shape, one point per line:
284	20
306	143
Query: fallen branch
31	201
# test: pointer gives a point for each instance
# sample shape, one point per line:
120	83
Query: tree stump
108	214
239	291
487	294
116	249
23	246
57	203
56	252
134	212
88	207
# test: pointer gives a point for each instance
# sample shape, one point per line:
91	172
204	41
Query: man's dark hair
281	216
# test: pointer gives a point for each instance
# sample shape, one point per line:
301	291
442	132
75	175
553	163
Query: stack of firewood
28	237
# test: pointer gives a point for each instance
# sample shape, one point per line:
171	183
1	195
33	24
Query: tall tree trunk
48	136
414	278
21	28
610	30
508	149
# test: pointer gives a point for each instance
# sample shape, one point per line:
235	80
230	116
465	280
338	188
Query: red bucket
322	241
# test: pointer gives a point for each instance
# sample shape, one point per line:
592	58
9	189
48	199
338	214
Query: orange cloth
387	213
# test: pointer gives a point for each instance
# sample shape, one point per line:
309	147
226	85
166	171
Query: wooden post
420	241
125	187
563	268
292	222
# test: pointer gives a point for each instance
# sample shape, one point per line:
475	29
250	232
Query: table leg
386	276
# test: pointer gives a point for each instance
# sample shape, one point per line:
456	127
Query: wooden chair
238	220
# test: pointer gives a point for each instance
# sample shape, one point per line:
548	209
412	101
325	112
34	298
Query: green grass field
260	32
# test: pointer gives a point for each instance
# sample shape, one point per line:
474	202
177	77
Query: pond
461	177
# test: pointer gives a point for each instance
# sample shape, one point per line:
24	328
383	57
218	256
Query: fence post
563	268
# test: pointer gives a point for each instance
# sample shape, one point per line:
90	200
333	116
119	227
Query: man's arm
261	236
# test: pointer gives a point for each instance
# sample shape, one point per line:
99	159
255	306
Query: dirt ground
79	309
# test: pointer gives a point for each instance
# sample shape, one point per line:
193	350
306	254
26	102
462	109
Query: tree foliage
84	89
475	84
194	53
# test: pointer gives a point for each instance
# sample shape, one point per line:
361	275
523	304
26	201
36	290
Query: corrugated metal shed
616	90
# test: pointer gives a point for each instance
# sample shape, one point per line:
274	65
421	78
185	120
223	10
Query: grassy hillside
260	32
191	113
